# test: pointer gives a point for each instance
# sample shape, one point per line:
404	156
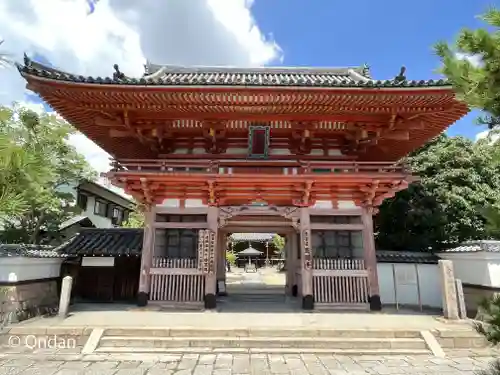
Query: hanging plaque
306	244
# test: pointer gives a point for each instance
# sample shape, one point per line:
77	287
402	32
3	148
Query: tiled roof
384	256
475	246
104	242
29	251
74	220
158	75
258	237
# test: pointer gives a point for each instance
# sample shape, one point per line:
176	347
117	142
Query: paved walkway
259	364
130	316
264	276
115	316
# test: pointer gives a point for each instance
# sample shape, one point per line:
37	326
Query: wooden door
95	284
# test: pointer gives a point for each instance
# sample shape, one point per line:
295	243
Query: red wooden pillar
221	262
211	279
306	260
146	256
370	258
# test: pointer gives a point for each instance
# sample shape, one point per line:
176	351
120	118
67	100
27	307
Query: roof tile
476	246
257	237
29	251
228	76
104	242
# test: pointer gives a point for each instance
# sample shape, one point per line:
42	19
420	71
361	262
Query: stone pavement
258	364
264	276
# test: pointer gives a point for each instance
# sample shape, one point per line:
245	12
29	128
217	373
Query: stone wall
28	299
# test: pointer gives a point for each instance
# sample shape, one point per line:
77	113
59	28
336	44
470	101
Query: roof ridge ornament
118	75
365	70
401	77
27	61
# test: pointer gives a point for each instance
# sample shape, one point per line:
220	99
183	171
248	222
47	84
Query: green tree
40	164
457	177
472	65
492	216
135	218
279	244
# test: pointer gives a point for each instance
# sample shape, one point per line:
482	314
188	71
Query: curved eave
443	108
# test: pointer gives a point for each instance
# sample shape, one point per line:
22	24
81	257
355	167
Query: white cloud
126	32
473	59
493	136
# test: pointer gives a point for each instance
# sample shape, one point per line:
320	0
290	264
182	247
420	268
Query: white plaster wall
236	151
279	151
170	203
480	268
323	204
494	271
346	204
334	152
403	288
317	151
195	203
14	269
99	221
98	261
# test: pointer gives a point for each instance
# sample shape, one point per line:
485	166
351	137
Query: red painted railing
255	166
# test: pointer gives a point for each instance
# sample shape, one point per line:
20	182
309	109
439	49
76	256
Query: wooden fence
340	283
176	281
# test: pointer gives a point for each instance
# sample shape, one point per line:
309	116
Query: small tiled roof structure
257	237
171	75
250	251
388	256
104	242
79	219
29	251
476	246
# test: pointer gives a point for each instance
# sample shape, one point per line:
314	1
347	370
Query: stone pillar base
375	303
210	301
142	299
308	302
219	292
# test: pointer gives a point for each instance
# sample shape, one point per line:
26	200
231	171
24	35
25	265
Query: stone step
260	332
272	298
255	291
262	342
200	350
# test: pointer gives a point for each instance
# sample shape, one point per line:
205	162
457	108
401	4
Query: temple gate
319	147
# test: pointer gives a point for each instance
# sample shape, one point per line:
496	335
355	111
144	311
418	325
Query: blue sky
383	34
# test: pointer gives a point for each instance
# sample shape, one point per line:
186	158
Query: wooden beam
114	133
171	225
335	212
398	135
181	211
342	227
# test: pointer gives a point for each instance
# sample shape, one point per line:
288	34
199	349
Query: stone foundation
28	299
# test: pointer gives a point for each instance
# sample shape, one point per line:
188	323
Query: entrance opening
256	273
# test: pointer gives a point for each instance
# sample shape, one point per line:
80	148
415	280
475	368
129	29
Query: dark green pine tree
473	67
